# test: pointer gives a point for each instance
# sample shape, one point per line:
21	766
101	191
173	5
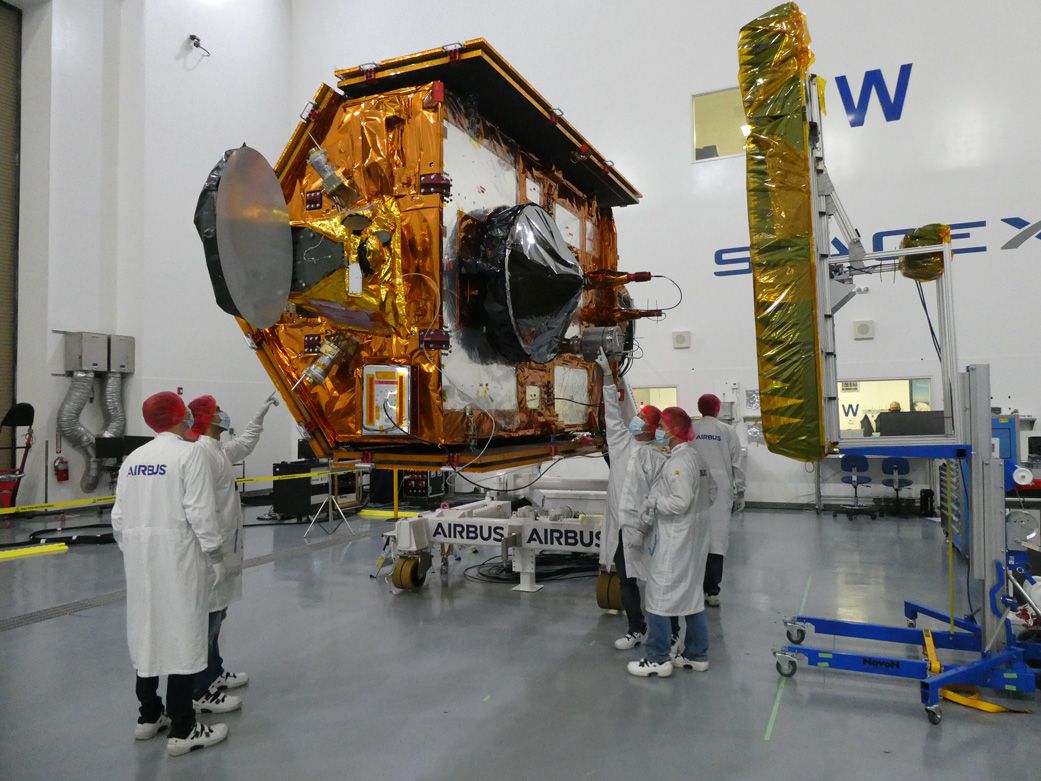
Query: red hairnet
677	422
651	414
203	410
162	411
709	404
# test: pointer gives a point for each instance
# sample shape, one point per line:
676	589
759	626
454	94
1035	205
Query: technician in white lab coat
678	536
720	449
164	522
630	442
210	422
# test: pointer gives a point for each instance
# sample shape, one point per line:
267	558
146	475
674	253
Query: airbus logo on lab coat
710	436
151	470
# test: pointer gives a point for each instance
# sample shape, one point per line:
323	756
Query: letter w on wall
874	81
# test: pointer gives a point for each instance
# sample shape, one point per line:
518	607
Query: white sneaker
201	736
216	701
645	669
228	680
149	729
681	662
631	640
676	646
712	600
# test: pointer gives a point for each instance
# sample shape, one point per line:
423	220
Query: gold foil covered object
774	55
924	268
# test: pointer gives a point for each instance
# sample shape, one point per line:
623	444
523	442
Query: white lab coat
677	548
165	524
720	451
219	457
646	460
617	414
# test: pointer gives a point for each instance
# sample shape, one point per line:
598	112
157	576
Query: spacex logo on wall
736	260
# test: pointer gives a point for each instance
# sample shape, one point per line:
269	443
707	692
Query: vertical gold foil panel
774	55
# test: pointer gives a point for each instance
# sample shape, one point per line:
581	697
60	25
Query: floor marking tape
780	684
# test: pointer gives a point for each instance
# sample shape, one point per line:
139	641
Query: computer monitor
118	447
910	424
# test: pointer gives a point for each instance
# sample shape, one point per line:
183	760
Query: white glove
269	402
632	537
603	363
220	572
739	503
648	511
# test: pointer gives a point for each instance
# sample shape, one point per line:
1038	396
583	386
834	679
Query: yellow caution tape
33	550
32	508
95	500
273	478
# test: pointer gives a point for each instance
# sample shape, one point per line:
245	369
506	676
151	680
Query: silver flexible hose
78	436
115	415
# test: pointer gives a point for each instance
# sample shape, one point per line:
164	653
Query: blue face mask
661	437
223	420
189	418
636	426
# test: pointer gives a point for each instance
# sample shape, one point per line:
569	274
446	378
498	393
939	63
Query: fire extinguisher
61	469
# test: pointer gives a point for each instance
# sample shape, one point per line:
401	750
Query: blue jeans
214	662
695	645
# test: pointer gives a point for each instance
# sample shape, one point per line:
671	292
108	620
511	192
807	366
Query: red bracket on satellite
454	51
436	96
368	70
555	115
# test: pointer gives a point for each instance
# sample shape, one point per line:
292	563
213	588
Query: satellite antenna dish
244	225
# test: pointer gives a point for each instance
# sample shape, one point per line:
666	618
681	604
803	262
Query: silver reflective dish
254	240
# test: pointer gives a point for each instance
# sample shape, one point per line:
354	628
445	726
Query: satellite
430	269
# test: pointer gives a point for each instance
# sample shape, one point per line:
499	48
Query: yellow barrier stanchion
33	550
395	516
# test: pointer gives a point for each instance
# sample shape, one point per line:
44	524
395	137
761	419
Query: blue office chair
857	468
894	466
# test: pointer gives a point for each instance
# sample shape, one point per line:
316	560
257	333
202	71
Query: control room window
659	397
719	124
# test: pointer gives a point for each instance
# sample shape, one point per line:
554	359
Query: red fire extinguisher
61	469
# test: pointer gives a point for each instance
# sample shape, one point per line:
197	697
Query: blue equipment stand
1005	670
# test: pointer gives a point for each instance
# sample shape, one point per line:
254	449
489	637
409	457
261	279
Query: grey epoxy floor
475	681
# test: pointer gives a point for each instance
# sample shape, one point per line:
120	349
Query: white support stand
524	565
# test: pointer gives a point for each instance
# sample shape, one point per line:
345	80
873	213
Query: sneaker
201	736
144	730
712	600
676	646
681	662
216	701
645	669
228	680
631	640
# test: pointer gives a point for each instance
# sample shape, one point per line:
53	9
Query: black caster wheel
911	623
786	667
835	515
934	714
796	634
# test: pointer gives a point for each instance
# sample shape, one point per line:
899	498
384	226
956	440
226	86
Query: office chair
857	467
894	466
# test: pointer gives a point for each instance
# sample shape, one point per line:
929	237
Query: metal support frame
1001	663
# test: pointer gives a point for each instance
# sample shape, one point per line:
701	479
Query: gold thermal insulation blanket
924	268
774	54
